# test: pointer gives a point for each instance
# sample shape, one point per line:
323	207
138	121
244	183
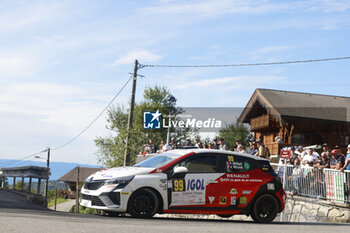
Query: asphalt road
15	201
17	215
14	220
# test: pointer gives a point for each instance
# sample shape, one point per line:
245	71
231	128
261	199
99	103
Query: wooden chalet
297	118
70	179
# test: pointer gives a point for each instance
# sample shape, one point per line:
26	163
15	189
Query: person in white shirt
240	149
300	152
310	158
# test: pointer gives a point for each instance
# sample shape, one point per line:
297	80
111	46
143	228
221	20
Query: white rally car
196	181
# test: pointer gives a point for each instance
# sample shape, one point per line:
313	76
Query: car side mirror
180	169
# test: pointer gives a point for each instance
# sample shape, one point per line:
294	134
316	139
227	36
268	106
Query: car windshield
157	161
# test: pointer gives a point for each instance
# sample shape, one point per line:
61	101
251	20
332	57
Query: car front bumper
108	197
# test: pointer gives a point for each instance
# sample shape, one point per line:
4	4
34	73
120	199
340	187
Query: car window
206	163
236	163
155	161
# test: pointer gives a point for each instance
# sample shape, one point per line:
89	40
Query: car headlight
120	181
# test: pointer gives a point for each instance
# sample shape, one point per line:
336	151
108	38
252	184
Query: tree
111	148
235	131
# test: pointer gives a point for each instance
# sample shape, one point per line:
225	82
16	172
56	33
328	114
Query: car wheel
112	213
143	204
265	209
225	215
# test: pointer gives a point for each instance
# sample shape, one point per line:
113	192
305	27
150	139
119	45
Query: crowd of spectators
299	156
328	158
256	148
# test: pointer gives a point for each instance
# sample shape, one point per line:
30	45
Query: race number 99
179	185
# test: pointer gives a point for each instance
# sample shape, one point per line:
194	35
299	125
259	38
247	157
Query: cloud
19	15
141	55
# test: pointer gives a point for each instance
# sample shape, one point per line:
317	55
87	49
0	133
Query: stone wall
298	209
302	209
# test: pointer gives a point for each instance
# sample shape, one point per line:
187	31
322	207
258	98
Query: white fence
326	184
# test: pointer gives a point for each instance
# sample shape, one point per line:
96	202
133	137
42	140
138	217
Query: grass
59	200
83	210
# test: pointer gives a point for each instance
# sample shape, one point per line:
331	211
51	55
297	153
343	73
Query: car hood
117	172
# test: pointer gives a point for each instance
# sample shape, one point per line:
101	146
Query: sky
61	62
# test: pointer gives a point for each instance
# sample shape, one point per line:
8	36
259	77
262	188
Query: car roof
224	152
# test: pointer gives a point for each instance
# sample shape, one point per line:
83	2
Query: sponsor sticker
247	192
270	186
124	193
211	199
233	201
230	158
265	169
170	184
188	191
243	200
222	200
233	191
179	185
246	166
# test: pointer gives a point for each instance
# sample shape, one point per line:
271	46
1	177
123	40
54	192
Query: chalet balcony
260	123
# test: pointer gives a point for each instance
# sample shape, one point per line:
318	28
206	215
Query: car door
198	188
240	182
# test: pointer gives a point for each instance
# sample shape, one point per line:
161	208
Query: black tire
265	209
143	203
112	213
225	215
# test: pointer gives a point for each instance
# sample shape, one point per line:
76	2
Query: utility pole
77	190
131	114
48	166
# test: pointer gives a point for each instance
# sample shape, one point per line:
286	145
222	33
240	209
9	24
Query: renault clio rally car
199	181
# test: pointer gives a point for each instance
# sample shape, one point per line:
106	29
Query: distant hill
58	169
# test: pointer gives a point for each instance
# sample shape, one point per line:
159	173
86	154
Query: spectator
173	143
339	159
223	145
211	146
297	174
293	156
198	143
241	149
325	149
261	150
300	152
238	143
154	148
347	161
215	144
253	148
179	145
324	162
309	159
280	171
162	143
188	142
166	147
278	139
249	148
149	148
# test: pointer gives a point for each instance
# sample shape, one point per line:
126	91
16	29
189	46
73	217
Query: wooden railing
260	122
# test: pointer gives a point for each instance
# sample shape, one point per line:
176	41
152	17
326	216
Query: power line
98	116
245	64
